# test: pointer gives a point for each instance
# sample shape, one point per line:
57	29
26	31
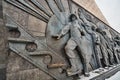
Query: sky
111	11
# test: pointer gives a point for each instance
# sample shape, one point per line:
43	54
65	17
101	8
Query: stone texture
2	53
65	4
15	63
32	74
18	15
20	69
3	42
36	26
45	4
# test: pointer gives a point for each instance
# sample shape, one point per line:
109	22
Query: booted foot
107	68
70	72
87	74
111	65
78	76
101	69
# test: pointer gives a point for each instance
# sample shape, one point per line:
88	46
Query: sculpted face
72	17
93	28
79	10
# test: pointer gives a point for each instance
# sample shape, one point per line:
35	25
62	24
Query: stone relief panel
15	13
36	26
20	69
60	38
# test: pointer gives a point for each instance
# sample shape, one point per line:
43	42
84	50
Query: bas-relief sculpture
77	40
72	45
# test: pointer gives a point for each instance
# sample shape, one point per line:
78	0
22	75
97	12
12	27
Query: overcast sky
111	11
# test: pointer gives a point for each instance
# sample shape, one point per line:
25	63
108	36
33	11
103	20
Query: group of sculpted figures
90	40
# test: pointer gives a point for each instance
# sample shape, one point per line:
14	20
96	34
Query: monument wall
38	50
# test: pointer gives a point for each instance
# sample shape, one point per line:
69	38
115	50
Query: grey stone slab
107	74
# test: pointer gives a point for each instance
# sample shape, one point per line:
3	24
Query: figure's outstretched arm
62	32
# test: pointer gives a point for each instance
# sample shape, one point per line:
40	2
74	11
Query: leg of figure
117	59
99	62
85	68
105	56
116	56
111	56
98	55
71	45
86	56
86	62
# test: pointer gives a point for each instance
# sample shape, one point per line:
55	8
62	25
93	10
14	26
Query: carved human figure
113	46
117	48
103	46
107	30
77	40
96	43
108	37
109	46
91	35
117	52
117	40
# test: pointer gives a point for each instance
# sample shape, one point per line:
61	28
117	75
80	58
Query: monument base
102	73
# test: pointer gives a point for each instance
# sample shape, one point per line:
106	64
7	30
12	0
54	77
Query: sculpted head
93	28
99	30
80	10
72	17
117	37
